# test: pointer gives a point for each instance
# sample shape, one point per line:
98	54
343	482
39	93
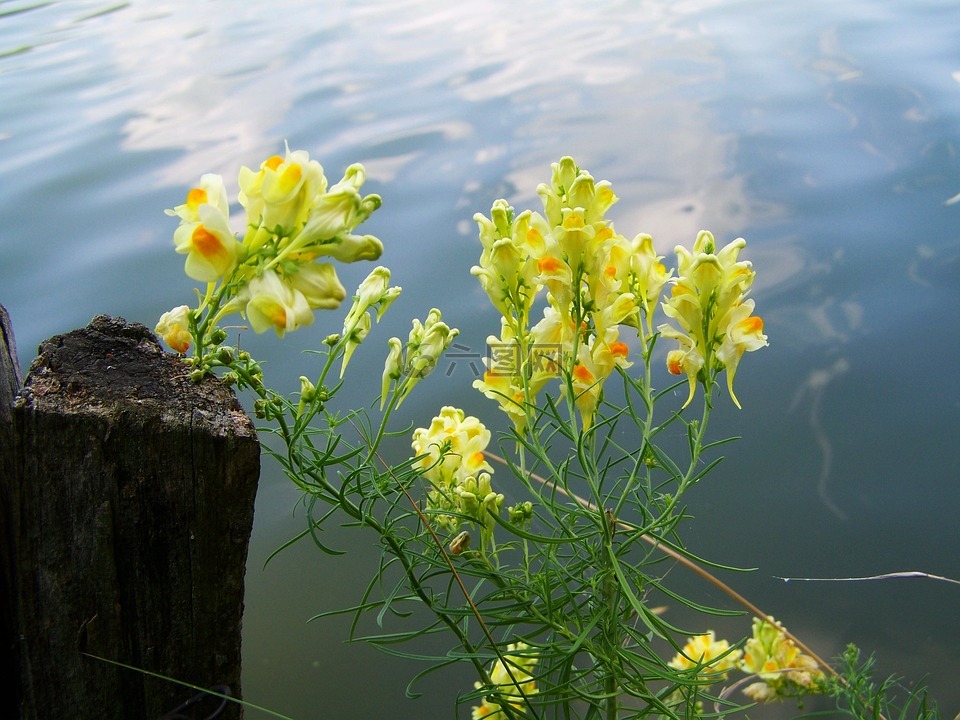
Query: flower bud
391	294
319	284
521	513
308	390
356	335
350	248
392	368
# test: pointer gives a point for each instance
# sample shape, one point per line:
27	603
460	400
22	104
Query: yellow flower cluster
774	658
712	658
513	685
708	301
595	281
274	275
451	459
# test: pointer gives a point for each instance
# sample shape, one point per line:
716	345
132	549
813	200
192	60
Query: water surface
824	133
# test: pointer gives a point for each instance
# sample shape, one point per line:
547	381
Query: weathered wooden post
10	382
131	495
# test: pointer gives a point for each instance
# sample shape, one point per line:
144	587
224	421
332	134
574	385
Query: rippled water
823	132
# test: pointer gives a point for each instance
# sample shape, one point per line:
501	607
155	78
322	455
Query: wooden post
132	505
10	382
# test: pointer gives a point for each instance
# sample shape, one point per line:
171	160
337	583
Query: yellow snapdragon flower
507	390
209	244
293	218
274	303
373	292
509	376
596	359
507	268
708	302
282	192
210	191
571	187
339	209
174	328
319	284
784	671
452	447
513	681
460	478
647	275
744	333
713	657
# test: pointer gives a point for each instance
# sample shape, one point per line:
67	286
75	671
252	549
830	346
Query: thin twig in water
884	576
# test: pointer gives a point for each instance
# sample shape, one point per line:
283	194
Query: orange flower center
751	325
278	315
549	264
273	162
207	244
196	197
581	373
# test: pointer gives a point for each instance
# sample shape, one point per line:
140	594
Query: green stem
612	624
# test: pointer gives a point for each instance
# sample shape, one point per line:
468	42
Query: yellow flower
281	194
275	304
371	291
174	328
512	682
596	280
648	275
452	447
355	334
208	243
778	662
558	278
506	390
686	359
210	191
459	475
713	657
570	187
708	302
595	361
744	333
507	267
509	377
427	343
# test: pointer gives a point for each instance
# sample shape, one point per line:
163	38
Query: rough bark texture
132	511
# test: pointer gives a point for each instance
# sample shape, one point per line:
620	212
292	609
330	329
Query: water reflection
812	391
793	125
